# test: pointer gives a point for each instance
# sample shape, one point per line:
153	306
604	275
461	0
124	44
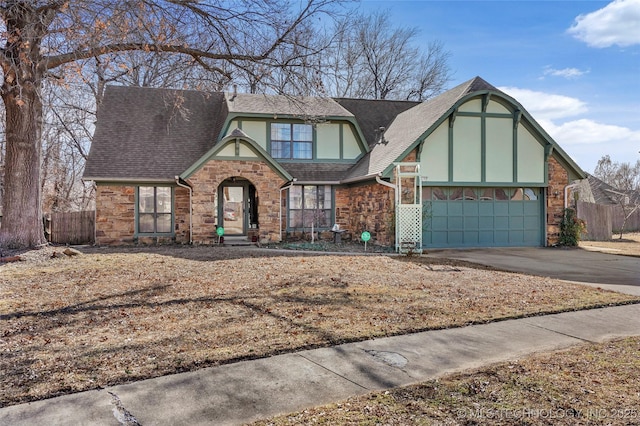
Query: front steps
238	241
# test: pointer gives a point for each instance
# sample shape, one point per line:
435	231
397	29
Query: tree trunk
22	212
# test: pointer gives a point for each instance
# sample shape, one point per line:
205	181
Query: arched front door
237	206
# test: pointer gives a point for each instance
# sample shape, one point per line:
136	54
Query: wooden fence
598	218
603	220
633	221
71	227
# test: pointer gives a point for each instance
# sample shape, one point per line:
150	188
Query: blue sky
574	65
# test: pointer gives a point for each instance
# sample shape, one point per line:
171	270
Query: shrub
571	228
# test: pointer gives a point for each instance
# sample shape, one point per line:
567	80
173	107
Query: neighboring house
173	165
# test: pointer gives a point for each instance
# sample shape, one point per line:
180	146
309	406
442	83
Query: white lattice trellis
409	225
408	208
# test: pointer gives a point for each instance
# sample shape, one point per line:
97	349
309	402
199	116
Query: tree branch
57	60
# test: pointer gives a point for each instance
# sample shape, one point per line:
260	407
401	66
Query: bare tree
49	39
370	58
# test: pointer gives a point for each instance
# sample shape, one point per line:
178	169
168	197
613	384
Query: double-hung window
310	204
154	210
291	141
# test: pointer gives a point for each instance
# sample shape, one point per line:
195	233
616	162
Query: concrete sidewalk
246	391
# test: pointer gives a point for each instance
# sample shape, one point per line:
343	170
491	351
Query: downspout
95	213
566	191
190	208
284	188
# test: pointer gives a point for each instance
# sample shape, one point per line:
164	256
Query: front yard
112	316
628	245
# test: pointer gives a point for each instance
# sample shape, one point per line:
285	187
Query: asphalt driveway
614	272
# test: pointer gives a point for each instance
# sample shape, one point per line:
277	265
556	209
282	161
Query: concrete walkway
245	391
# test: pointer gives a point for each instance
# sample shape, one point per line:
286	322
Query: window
310	204
291	141
154	210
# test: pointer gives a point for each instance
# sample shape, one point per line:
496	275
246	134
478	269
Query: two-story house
176	165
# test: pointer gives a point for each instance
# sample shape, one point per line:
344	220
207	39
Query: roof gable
242	143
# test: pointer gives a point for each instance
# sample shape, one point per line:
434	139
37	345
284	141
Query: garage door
482	217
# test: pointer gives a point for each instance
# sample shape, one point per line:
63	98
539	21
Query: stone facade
558	180
205	183
115	214
367	207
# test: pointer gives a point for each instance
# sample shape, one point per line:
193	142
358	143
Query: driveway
613	272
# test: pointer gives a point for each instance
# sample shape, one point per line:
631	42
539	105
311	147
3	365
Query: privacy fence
71	228
603	220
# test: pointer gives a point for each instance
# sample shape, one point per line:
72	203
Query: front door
233	207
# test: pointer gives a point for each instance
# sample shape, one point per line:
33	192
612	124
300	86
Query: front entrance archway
237	206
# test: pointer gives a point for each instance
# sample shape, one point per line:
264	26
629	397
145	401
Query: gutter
190	207
360	178
127	180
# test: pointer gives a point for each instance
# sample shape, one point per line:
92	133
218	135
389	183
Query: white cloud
617	23
546	105
565	72
584	139
586	131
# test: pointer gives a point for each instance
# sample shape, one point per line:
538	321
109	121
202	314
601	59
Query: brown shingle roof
154	134
245	103
372	114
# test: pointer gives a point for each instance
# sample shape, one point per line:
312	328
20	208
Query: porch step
237	242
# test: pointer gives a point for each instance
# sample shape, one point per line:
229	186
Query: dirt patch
115	315
628	245
593	384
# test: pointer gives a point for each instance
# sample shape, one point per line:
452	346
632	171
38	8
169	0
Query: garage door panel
516	208
485	222
468	222
532	223
471	223
454	208
501	238
485	208
471	208
456	223
501	208
516	222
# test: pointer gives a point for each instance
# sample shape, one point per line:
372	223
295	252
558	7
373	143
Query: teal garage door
482	217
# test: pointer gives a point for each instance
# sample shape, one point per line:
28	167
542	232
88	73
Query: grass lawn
594	384
113	316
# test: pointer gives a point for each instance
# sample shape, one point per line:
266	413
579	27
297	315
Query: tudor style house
468	168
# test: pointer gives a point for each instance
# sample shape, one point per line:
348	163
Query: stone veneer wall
115	211
558	179
115	216
368	207
181	214
205	182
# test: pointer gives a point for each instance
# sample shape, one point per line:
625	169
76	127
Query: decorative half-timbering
182	166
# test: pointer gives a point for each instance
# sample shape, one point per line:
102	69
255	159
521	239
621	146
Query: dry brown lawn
594	384
113	316
628	245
